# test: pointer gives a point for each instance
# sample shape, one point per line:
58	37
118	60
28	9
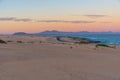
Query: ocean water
111	38
106	38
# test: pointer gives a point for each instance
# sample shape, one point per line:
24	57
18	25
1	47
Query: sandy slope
54	60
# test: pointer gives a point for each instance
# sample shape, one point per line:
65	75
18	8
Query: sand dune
45	58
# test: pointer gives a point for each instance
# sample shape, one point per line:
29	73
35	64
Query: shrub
82	42
19	42
71	47
40	41
2	42
104	45
9	41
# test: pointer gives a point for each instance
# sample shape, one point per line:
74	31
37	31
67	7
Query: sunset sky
63	15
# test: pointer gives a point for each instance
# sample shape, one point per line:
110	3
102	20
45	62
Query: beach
46	58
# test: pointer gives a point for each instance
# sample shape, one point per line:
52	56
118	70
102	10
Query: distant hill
54	33
60	33
20	33
47	33
50	32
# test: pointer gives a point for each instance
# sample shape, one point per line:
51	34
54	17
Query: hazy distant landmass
55	32
20	33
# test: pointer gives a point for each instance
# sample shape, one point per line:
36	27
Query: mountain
60	33
50	32
20	33
45	33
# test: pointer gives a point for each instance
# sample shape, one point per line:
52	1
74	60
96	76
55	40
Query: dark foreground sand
52	60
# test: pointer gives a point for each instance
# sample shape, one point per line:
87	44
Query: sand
45	58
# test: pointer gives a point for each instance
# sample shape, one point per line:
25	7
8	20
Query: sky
64	15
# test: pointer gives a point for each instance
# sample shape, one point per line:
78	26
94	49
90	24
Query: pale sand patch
53	60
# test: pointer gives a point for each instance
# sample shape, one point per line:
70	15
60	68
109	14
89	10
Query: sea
106	38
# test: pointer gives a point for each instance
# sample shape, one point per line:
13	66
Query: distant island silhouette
55	32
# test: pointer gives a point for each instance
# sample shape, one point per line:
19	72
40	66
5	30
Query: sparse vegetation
71	47
104	45
40	41
9	41
19	42
82	42
2	41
